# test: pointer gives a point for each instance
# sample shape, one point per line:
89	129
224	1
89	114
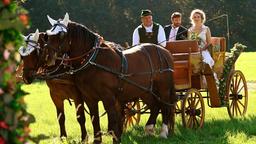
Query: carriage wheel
132	114
178	107
237	96
193	110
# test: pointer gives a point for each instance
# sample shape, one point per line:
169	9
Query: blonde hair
197	11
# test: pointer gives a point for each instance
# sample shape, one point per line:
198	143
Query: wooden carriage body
188	64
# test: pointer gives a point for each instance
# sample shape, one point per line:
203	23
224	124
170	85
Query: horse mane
81	36
84	38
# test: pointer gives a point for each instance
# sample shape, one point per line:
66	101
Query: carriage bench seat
182	46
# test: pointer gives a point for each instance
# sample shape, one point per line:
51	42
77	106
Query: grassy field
218	129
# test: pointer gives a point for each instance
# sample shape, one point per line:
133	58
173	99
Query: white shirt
160	38
173	34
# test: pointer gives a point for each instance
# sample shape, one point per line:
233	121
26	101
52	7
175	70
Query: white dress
207	58
205	53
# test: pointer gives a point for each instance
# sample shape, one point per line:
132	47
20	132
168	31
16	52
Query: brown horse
114	77
60	89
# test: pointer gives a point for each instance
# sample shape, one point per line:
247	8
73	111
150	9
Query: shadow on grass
214	131
39	138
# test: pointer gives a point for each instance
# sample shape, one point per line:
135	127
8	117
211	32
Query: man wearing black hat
148	31
175	31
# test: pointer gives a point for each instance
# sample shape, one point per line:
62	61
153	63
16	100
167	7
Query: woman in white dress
203	34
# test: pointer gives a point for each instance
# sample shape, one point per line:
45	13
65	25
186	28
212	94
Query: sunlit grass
218	128
247	63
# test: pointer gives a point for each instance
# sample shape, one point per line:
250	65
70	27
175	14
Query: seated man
175	31
148	31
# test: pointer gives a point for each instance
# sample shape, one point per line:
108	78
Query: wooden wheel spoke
126	122
232	90
189	103
238	82
233	108
193	100
238	109
232	103
232	85
235	84
197	103
132	123
241	104
197	122
188	120
240	89
194	122
199	116
134	117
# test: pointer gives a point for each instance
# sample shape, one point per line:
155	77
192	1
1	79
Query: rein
46	76
75	58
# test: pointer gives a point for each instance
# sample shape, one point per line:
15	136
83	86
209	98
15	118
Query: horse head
32	55
67	38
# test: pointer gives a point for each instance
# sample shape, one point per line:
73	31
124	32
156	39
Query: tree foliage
116	19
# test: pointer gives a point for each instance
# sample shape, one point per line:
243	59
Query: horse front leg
94	113
168	111
113	109
59	105
150	125
81	118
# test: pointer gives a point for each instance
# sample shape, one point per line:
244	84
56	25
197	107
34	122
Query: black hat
145	12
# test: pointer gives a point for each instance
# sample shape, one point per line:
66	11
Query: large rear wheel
193	110
237	95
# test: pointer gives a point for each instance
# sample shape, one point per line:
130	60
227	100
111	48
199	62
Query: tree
14	119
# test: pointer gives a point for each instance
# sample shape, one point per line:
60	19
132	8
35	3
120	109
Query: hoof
164	131
85	140
149	130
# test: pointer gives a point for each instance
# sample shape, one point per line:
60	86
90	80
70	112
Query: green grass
218	129
247	64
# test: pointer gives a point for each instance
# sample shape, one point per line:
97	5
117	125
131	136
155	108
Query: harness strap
145	51
123	69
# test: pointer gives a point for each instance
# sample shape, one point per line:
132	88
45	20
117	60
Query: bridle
65	58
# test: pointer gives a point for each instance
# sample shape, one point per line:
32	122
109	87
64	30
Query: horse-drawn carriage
142	72
195	81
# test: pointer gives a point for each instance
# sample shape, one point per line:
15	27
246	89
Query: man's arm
135	37
161	36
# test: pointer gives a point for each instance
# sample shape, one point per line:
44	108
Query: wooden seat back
219	44
218	54
182	46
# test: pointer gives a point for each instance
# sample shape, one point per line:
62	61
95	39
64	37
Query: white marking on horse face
59	28
29	47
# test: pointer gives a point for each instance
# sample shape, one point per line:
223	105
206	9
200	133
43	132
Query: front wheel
193	110
237	95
